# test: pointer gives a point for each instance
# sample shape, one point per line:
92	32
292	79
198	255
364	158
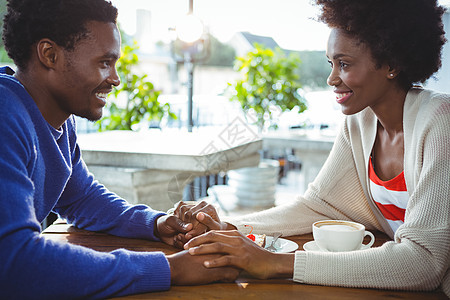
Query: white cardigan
419	256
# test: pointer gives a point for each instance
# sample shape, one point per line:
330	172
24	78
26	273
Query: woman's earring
391	75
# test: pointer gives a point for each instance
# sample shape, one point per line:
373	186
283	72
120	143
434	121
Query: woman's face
357	81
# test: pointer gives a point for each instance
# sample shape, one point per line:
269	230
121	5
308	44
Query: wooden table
244	287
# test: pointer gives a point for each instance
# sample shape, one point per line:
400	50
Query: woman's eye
331	63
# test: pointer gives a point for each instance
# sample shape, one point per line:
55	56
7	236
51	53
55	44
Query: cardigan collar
367	121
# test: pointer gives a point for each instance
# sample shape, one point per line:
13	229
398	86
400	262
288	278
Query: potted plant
269	85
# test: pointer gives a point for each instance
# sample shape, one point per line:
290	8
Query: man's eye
343	64
331	63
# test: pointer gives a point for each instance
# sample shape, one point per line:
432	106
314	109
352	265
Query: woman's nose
333	79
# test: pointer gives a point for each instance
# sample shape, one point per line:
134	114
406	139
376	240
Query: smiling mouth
101	95
342	97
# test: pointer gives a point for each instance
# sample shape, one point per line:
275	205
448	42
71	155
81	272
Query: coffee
338	227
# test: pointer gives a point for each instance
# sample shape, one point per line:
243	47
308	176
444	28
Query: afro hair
63	21
407	35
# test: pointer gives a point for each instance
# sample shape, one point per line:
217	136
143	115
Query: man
65	52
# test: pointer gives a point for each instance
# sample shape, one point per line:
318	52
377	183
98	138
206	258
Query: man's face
87	73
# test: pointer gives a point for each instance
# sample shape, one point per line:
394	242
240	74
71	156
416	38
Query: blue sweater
41	170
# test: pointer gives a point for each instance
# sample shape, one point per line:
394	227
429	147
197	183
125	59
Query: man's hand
168	227
186	269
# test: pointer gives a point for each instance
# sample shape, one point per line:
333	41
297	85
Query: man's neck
34	83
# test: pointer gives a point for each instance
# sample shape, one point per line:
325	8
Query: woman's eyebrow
340	55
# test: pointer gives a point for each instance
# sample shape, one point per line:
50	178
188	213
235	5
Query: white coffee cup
340	236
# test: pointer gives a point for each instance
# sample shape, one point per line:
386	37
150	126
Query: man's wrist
173	275
155	227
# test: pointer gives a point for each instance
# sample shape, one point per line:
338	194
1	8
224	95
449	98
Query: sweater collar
6	70
57	133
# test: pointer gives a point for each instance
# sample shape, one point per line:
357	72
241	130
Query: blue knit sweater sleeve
87	204
38	173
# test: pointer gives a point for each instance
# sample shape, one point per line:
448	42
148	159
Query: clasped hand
185	223
185	268
235	249
202	216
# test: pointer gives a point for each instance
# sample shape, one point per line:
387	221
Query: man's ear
47	52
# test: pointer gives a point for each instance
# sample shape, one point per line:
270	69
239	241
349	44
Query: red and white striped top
390	196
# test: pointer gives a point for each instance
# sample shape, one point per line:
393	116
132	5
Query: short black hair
406	34
63	21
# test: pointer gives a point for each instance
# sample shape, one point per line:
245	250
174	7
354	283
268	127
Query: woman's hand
203	216
239	251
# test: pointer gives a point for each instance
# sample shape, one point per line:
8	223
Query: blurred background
204	70
192	66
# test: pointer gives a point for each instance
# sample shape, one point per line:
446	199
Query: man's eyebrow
111	55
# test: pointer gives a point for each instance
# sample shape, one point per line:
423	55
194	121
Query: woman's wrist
283	265
228	226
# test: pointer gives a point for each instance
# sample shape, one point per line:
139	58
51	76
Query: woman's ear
392	73
47	52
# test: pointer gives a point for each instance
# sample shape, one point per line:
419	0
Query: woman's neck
390	112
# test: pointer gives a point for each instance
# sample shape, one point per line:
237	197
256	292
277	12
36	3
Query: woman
394	134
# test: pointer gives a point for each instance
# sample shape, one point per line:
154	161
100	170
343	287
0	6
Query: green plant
269	86
139	96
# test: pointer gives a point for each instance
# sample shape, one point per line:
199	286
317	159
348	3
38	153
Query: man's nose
114	78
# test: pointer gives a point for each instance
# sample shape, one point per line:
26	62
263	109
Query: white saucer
282	245
312	246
